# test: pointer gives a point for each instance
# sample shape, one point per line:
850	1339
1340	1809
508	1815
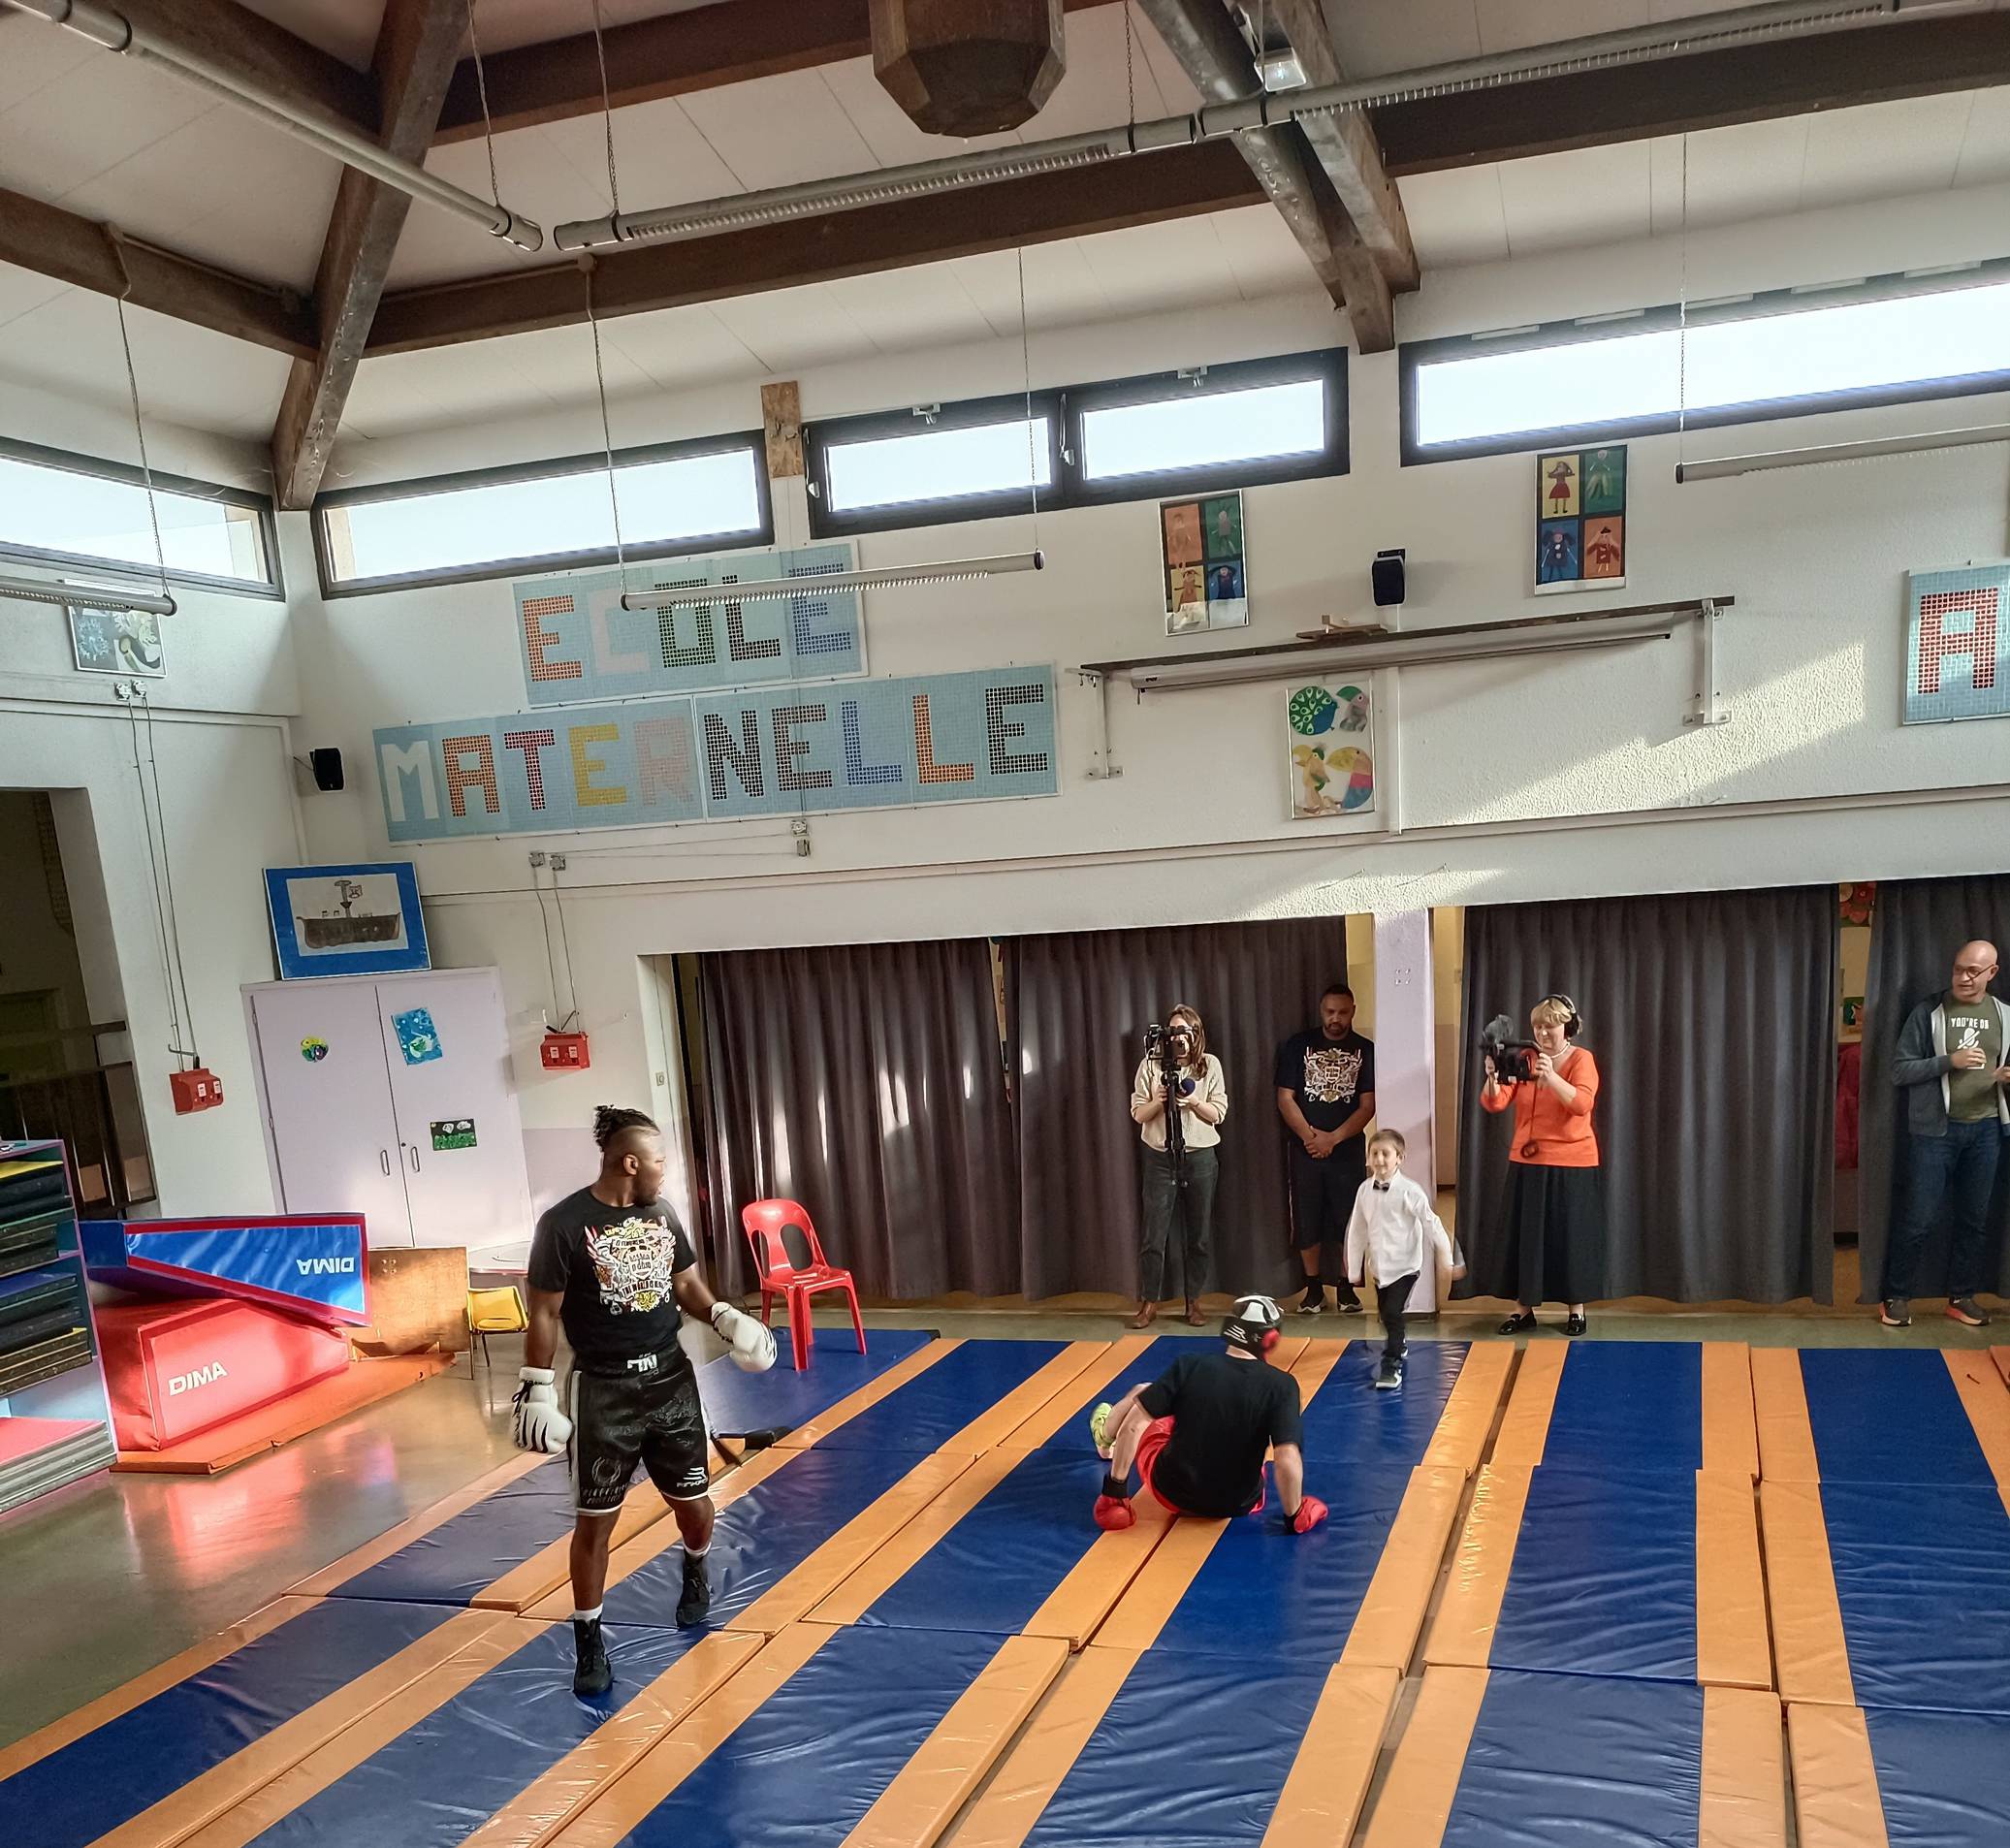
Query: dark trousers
1322	1203
1957	1169
1166	1201
1390	1301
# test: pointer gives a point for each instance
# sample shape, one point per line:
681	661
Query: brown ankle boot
1147	1314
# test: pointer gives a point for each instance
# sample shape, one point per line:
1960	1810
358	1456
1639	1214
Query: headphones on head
1573	1025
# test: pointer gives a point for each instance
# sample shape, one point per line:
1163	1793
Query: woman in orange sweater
1552	1213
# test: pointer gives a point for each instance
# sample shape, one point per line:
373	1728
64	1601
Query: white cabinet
418	1134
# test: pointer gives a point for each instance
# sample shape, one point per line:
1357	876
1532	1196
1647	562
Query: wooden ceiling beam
1200	34
417	47
708	46
1077	202
88	255
1345	146
259	52
1754	82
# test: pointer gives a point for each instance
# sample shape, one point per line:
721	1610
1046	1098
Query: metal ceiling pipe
1631	44
103	26
83	596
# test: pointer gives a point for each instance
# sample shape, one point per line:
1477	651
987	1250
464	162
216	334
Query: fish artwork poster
1329	731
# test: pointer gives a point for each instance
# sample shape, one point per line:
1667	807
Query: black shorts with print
648	1415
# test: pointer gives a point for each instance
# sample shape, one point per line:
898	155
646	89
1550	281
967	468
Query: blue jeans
1193	1206
1957	1168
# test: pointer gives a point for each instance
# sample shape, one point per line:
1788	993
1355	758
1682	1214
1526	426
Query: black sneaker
1894	1312
1349	1306
1390	1375
1315	1303
594	1673
696	1600
1967	1311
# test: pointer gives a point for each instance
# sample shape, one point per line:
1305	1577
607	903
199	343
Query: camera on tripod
1514	1059
1169	1048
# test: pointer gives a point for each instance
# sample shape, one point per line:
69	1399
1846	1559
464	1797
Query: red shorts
1157	1434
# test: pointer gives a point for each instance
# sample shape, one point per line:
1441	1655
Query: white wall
220	735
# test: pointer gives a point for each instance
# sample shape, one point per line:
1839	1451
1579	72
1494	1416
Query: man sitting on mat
612	1265
1197	1433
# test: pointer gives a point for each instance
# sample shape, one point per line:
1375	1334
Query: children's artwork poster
1205	563
356	920
802	749
116	641
1957	643
1331	740
418	1039
579	644
1581	518
455	1132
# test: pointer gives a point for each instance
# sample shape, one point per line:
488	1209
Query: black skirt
1554	1230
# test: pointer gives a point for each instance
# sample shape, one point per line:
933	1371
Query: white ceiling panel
34	54
1061	287
1373	39
1749	171
1986	148
23	291
1456	216
96	114
1593	195
1148	269
1505	25
788	329
1884	149
1093	92
1260	252
347	29
683	347
503	25
923	307
741	122
887	130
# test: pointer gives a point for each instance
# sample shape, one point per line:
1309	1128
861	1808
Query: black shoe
1519	1324
1390	1375
1967	1311
1575	1325
1314	1300
698	1593
1349	1305
594	1673
1894	1312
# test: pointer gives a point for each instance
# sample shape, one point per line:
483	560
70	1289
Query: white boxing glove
753	1343
539	1423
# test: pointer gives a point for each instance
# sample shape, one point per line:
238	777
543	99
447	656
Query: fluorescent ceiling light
950	571
1724	467
84	596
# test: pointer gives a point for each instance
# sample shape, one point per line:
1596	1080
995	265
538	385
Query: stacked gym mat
918	1635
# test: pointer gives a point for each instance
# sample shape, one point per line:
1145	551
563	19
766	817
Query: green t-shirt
1972	1095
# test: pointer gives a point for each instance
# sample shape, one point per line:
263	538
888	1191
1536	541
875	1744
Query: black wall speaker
328	768
1387	576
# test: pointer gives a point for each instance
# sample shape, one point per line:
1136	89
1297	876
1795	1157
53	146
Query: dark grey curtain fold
1077	1003
1916	926
865	1081
1711	1017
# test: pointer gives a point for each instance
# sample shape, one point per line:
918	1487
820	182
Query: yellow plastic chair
494	1311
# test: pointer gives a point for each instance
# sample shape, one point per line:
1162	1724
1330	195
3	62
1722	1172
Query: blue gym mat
808	1763
1630	1405
1604	1578
1923	1577
1889	1415
1940	1777
763	1536
1585	1760
940	1400
736	1402
1350	1426
129	1764
437	1780
1190	1754
466	1554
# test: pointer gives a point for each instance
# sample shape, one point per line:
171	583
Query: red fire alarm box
565	1052
196	1089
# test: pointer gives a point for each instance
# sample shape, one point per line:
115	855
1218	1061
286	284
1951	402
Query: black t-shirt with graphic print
1328	1075
615	1265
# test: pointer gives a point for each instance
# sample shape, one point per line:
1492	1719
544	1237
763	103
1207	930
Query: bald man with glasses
1953	1063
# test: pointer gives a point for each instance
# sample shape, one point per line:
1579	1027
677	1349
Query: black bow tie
1382	1187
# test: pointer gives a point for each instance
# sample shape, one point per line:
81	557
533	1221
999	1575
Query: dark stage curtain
1077	1003
1711	1017
1915	929
864	1081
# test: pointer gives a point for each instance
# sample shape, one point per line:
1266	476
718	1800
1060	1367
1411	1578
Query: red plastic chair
780	1275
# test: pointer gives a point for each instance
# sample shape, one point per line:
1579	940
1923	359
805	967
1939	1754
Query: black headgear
1573	1026
1254	1326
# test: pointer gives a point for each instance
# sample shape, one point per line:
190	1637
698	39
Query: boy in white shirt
1394	1224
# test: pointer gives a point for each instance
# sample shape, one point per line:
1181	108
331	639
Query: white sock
588	1616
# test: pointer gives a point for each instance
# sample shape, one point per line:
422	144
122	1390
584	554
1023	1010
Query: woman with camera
1552	1213
1178	1100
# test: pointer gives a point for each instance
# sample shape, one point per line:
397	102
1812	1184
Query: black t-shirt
615	1265
1226	1413
1329	1076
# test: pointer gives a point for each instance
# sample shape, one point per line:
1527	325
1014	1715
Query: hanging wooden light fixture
968	67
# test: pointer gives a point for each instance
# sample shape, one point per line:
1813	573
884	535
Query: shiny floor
104	1580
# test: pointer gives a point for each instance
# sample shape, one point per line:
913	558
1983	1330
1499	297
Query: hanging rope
614	186
1026	377
481	83
125	343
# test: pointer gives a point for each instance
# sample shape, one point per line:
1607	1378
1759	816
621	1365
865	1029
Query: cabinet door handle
414	1152
384	1160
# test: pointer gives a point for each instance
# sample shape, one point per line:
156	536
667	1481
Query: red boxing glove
1113	1514
1311	1512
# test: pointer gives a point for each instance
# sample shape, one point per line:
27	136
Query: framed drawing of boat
347	920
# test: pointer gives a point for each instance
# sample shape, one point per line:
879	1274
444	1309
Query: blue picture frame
338	920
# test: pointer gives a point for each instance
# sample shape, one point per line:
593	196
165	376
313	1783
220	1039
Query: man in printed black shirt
1326	1094
613	1266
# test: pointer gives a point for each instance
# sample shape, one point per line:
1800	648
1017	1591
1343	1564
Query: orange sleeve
1504	1100
1584	1084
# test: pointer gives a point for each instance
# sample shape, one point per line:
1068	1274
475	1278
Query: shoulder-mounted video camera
1514	1059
